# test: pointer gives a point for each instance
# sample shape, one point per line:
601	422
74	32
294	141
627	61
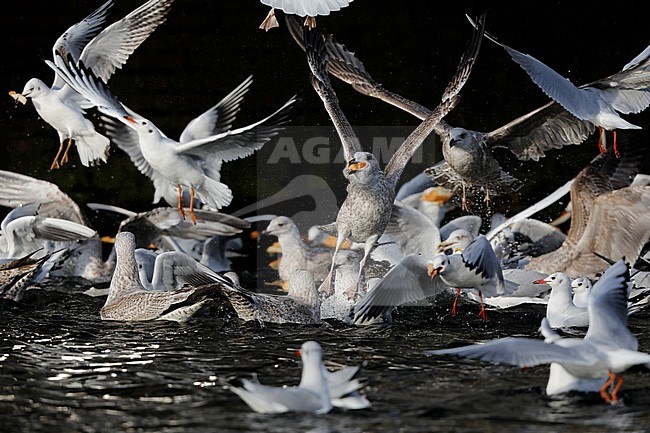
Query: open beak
539	282
354	166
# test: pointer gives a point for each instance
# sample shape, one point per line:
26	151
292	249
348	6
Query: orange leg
603	389
601	145
482	314
616	388
616	152
453	307
270	21
55	164
64	158
192	205
310	22
180	200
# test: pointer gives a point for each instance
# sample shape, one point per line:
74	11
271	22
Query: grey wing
219	118
406	282
19	190
548	127
317	60
627	91
73	41
523	352
607	305
480	258
110	49
84	82
169	269
450	97
413	231
577	101
471	223
344	65
236	143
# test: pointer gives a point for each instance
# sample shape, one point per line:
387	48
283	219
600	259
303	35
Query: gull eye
553	278
150	131
144	123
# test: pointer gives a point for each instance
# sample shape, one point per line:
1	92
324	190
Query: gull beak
539	282
354	166
442	246
437	195
19	97
298	353
131	119
431	271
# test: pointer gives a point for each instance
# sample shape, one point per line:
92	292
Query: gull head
280	225
34	88
460	136
581	285
310	351
363	168
458	240
555	280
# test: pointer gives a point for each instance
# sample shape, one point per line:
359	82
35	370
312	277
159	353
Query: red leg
192	205
180	200
616	152
616	388
603	389
601	146
482	314
453	307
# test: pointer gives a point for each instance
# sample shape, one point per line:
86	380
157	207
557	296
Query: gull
475	268
528	137
302	8
17	275
103	52
296	254
24	231
599	102
607	349
129	300
165	271
366	211
434	202
580	287
608	217
341	302
301	304
561	312
160	225
319	390
194	164
526	237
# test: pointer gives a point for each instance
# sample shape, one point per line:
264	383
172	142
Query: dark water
62	369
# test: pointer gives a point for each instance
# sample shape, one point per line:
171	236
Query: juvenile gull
17	275
60	106
301	304
296	254
527	137
606	217
128	300
364	214
319	390
608	348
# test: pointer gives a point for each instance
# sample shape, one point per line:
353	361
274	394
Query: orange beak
130	119
539	282
357	166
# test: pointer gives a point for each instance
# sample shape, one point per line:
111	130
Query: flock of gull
388	248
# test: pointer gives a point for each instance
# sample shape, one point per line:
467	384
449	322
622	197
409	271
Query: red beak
539	282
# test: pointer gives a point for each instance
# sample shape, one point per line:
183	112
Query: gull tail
92	148
214	193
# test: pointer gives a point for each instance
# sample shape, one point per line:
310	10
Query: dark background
206	48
